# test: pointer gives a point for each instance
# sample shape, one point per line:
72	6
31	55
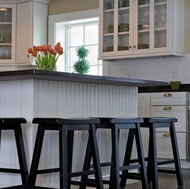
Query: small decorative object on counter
175	84
81	65
46	56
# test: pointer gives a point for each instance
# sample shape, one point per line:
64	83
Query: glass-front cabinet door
7	33
160	23
137	28
142	25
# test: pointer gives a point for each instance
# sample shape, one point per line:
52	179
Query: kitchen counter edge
73	77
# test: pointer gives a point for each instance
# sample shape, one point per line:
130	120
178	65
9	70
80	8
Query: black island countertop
154	89
73	77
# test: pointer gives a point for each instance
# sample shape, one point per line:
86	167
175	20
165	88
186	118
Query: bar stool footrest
52	170
105	164
137	160
82	173
13	187
123	168
88	182
9	170
167	171
136	176
166	162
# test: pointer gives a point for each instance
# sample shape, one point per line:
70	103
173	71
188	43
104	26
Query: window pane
76	36
73	57
93	70
93	55
91	34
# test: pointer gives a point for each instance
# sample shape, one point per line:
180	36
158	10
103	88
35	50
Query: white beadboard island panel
30	96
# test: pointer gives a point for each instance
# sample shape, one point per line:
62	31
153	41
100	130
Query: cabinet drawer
171	111
175	98
164	149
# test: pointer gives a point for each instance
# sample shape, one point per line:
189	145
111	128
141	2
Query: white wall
155	68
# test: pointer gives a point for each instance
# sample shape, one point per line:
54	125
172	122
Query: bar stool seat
120	173
14	124
66	128
153	163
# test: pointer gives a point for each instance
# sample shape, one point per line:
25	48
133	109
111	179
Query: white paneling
43	98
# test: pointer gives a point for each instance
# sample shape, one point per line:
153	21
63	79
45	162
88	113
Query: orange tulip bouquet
45	56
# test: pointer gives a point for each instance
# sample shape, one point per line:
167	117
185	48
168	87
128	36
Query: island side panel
44	98
16	100
73	99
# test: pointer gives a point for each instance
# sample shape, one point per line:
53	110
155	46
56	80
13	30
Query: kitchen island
36	93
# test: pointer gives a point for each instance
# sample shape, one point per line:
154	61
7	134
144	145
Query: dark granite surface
72	77
183	88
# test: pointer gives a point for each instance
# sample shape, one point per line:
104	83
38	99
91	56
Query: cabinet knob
167	134
130	47
28	55
134	46
167	95
167	108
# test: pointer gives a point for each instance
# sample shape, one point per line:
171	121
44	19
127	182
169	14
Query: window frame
55	20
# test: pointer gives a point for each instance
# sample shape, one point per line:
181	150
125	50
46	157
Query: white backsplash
170	68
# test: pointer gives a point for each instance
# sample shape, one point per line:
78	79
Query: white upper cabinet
7	33
139	28
32	20
23	23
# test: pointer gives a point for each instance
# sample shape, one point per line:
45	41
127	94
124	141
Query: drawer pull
167	108
167	95
166	134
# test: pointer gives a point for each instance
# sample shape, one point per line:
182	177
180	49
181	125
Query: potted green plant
81	65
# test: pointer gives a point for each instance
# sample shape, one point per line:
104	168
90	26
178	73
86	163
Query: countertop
183	88
72	77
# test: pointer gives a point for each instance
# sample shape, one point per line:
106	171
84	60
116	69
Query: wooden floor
167	181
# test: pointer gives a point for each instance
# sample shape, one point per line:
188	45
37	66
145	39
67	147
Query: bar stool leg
114	176
141	156
96	158
36	158
63	158
127	156
86	165
70	141
152	170
176	155
21	155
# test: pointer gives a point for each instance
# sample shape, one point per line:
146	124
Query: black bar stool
14	124
66	128
153	163
122	171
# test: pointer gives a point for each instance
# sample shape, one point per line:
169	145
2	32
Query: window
74	32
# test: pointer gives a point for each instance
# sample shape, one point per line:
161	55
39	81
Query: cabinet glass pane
5	14
108	26
143	24
123	25
5	32
160	23
5	52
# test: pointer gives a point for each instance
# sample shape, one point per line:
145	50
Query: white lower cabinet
164	149
169	104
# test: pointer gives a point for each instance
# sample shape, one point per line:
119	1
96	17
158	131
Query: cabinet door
24	32
31	28
116	27
7	33
139	28
169	98
142	26
164	149
180	112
